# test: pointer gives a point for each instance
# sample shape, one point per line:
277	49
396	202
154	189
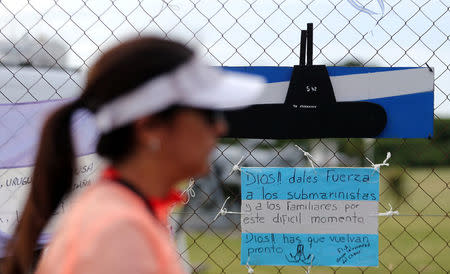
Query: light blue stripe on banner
309	184
280	74
298	249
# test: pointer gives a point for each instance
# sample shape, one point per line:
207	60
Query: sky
238	32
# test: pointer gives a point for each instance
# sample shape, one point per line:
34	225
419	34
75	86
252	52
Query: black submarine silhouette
310	109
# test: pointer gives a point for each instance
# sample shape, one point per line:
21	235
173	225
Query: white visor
193	84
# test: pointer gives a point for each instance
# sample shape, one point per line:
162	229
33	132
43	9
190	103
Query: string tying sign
224	211
389	213
236	167
250	270
308	271
307	155
189	191
376	167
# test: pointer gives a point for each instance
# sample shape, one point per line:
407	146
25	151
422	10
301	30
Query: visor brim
233	90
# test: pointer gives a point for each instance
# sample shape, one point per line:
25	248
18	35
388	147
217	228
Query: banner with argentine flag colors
309	216
406	94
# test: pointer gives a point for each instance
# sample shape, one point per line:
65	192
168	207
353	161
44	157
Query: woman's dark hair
117	72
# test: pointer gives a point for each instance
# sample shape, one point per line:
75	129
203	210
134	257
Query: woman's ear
149	132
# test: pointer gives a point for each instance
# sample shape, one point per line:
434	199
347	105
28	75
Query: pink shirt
110	230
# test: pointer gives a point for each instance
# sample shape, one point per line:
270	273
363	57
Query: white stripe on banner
363	86
310	216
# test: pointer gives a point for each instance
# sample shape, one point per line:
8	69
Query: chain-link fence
46	46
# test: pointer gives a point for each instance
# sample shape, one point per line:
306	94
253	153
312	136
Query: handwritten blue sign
304	216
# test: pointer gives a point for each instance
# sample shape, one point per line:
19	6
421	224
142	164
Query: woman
154	104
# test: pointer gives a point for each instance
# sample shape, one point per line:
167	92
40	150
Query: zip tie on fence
250	270
384	163
224	211
389	213
307	155
360	7
236	167
189	191
308	271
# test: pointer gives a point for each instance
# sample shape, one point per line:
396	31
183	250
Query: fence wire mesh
46	46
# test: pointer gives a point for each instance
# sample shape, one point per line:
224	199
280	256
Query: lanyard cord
158	208
137	192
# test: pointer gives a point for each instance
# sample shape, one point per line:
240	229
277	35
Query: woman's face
190	137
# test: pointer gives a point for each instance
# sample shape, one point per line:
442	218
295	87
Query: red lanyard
160	208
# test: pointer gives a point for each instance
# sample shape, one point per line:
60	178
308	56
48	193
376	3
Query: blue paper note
300	249
303	216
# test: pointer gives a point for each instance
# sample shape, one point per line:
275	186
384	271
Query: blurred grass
407	244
